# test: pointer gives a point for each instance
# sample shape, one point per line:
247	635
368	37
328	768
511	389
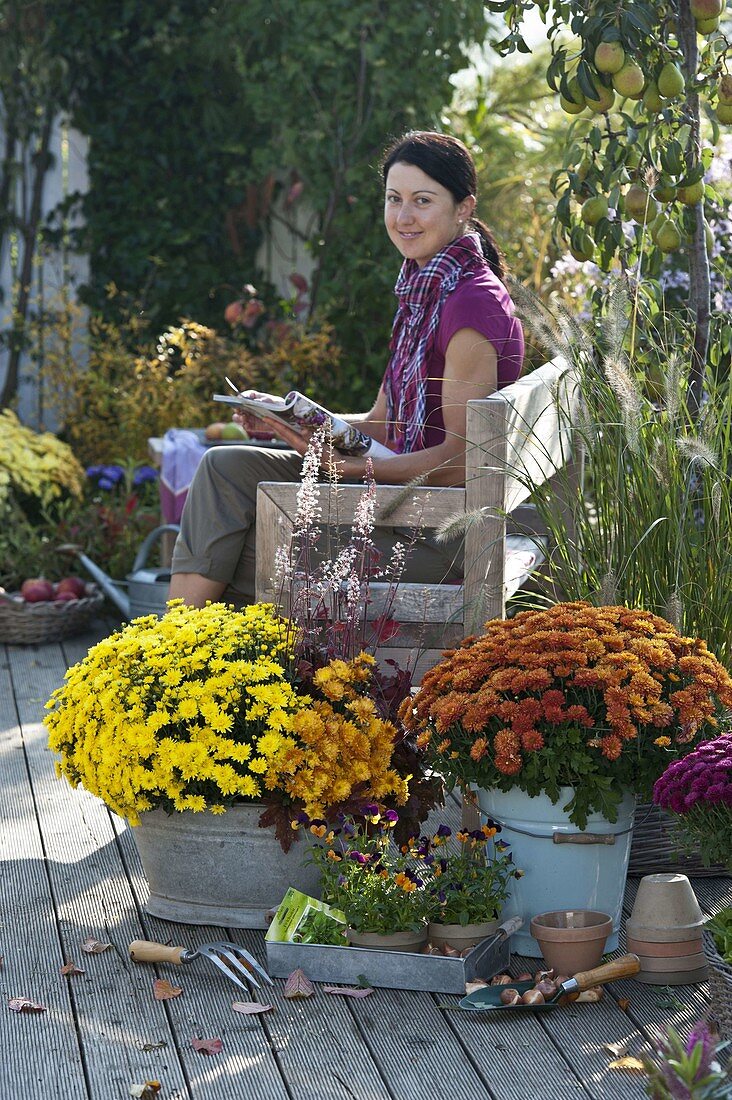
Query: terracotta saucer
663	966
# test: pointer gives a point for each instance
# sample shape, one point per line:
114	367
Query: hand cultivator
231	959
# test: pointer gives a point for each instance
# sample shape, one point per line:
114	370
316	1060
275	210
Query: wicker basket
24	623
720	990
658	846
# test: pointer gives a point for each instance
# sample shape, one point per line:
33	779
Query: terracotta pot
389	941
218	869
664	950
572	939
665	910
460	936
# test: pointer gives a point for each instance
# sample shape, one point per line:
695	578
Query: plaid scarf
421	293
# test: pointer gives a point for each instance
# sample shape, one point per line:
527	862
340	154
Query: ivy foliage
160	99
198	114
333	83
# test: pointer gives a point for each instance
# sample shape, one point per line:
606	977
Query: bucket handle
559	837
584	838
154	535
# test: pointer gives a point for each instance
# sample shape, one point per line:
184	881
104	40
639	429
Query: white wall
54	269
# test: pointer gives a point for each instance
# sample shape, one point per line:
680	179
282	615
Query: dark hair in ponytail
446	160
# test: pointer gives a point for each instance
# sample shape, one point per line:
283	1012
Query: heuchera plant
699	789
687	1071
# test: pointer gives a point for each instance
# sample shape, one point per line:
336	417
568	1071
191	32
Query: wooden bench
518	437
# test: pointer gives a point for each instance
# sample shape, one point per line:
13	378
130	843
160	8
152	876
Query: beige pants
217	535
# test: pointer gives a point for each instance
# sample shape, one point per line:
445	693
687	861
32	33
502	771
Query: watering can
147	589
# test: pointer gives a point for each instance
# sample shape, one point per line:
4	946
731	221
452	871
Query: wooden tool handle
624	967
147	951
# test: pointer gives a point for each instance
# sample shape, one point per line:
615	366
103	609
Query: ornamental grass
201	709
598	699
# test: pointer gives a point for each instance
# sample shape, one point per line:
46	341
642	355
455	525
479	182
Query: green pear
605	99
594	209
569	107
670	81
651	99
707	26
574	102
233	431
583	167
724	113
725	89
639	204
664	190
630	80
668	237
691	194
609	57
707	9
582	247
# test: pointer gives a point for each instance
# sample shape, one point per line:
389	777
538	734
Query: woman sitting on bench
454	338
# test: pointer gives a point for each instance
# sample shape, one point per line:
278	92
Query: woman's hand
254	424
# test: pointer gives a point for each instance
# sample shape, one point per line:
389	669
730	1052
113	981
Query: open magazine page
303	412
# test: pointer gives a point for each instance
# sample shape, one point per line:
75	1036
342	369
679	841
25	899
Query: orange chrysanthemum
563	686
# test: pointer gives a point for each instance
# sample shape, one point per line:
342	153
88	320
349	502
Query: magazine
303	412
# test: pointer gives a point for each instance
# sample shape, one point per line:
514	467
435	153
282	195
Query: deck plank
114	1010
248	1063
69	868
41	1052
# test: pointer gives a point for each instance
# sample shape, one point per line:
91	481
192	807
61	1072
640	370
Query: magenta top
481	303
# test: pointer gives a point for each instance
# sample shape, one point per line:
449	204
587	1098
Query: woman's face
421	216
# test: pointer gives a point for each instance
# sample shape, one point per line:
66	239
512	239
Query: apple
36	590
64	597
74	585
213	431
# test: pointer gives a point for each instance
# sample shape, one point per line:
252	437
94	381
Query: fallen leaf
161	1043
207	1046
71	969
470	987
629	1063
93	946
22	1004
148	1091
347	990
623	1004
298	986
250	1008
164	991
616	1049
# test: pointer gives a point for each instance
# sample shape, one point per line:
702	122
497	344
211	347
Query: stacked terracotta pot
665	931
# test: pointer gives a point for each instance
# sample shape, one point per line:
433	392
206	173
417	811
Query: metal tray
388	969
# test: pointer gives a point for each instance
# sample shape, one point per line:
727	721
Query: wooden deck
69	869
